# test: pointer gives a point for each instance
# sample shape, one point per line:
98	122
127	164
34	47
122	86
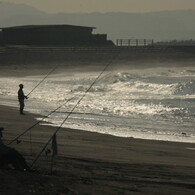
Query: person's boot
21	112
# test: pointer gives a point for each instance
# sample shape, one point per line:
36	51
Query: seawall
45	54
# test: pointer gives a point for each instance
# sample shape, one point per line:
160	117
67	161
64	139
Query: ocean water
149	103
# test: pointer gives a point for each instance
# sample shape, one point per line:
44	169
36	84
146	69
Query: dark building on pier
64	35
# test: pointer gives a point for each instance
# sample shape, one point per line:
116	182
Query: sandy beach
92	163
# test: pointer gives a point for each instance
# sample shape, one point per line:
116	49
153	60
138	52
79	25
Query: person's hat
1	128
21	85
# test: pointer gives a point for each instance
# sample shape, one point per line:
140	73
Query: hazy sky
55	6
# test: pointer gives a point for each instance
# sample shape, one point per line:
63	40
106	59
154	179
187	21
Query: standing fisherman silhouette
21	97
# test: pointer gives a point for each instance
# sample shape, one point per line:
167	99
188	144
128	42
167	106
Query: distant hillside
10	10
160	26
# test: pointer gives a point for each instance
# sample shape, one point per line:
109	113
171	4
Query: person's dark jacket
21	95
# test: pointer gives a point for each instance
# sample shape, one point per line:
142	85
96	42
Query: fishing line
42	80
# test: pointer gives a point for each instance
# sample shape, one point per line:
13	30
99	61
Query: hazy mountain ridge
166	25
8	10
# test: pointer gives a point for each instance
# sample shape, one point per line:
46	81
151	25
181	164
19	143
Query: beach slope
92	163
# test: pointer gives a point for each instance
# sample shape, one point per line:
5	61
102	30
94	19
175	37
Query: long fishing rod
42	80
35	160
24	132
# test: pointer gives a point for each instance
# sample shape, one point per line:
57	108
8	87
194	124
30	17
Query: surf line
72	110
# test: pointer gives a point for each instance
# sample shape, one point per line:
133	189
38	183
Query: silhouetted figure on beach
21	98
11	156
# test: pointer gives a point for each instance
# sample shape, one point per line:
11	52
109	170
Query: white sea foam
153	106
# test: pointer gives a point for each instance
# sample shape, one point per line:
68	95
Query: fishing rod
24	132
45	146
42	80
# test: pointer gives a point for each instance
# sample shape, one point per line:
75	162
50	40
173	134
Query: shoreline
47	130
19	125
45	123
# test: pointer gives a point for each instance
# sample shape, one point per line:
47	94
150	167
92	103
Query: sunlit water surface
153	103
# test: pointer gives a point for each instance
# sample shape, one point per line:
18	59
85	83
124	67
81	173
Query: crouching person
11	156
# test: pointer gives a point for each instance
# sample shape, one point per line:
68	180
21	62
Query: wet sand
92	163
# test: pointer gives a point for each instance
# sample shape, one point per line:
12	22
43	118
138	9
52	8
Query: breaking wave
125	81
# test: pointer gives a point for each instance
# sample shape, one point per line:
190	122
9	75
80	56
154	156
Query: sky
103	6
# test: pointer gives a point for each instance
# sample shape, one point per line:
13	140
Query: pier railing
134	42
